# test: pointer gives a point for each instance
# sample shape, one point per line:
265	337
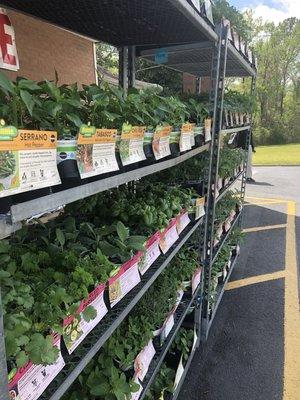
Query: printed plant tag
238	249
30	381
75	328
167	327
136	395
207	129
126	279
96	151
180	294
185	137
169	236
220	183
195	339
219	232
200	207
132	144
151	254
224	272
27	160
161	142
196	279
227	225
182	221
179	373
143	360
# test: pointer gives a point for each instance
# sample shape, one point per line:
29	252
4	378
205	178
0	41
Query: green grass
285	154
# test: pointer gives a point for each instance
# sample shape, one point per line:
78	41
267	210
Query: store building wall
43	48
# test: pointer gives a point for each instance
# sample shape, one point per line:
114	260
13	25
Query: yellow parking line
267	199
258	203
291	312
264	228
255	279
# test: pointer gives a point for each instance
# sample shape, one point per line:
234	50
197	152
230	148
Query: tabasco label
27	160
96	151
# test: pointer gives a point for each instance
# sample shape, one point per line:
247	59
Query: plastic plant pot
67	163
199	135
174	142
148	137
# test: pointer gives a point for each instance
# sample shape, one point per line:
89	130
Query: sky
270	10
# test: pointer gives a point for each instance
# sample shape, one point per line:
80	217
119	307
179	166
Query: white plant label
168	236
76	329
31	380
125	280
199	207
161	142
196	280
151	254
179	373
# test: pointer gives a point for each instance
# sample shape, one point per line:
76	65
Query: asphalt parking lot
253	351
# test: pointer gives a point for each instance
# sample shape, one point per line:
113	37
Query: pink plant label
180	294
75	327
30	381
196	280
125	280
182	221
168	237
151	254
143	360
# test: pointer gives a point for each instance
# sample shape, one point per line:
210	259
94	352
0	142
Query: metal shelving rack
138	28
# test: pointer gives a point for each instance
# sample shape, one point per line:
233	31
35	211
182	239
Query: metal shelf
160	356
237	129
123	22
219	295
224	238
78	360
225	189
22	211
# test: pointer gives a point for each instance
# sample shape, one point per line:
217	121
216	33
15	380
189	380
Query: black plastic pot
174	142
148	150
67	164
199	135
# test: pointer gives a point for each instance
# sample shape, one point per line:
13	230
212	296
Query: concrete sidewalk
253	351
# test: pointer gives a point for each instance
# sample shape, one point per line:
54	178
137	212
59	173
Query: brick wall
188	83
43	48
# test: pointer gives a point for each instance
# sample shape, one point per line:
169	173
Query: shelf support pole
216	98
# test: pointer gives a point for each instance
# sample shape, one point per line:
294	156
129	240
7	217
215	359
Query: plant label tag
199	207
196	278
75	328
161	142
207	129
151	254
238	249
220	183
168	326
219	232
195	339
126	279
180	294
30	381
27	160
96	151
185	137
132	145
143	360
225	271
182	221
168	237
179	373
227	225
136	395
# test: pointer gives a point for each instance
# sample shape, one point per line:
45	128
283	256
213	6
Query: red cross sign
8	49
